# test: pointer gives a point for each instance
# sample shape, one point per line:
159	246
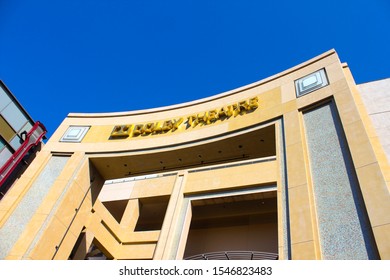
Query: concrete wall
376	98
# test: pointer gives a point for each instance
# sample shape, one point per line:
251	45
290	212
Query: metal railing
235	255
33	138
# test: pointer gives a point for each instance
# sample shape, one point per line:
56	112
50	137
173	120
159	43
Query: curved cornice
203	100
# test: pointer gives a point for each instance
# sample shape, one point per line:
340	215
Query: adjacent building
20	139
295	166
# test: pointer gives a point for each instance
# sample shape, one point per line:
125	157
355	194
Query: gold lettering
157	128
205	118
236	109
243	105
121	131
138	129
193	120
176	124
254	103
202	118
225	112
212	116
167	126
148	128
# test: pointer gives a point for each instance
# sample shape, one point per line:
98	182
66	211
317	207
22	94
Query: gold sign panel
205	118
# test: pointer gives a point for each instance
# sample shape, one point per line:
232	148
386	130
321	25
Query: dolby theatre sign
204	118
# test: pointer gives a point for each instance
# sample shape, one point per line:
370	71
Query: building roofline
14	99
206	99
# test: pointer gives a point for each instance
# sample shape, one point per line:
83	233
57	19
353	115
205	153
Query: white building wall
376	97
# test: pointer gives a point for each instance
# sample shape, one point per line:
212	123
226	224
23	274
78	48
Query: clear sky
63	56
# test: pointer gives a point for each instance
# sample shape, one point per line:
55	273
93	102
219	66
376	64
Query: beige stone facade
290	167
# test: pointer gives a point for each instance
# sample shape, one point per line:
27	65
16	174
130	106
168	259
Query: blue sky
62	56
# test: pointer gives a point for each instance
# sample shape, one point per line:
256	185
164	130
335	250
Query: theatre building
295	166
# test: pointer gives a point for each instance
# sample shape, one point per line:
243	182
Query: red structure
20	139
33	138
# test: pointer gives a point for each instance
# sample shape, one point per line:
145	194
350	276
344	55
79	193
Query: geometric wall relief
75	134
311	82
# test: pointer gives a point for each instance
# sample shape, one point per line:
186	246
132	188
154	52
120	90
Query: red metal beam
33	138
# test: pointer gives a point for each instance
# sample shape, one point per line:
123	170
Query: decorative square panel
75	134
311	82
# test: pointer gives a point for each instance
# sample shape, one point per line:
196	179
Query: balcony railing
33	138
235	255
